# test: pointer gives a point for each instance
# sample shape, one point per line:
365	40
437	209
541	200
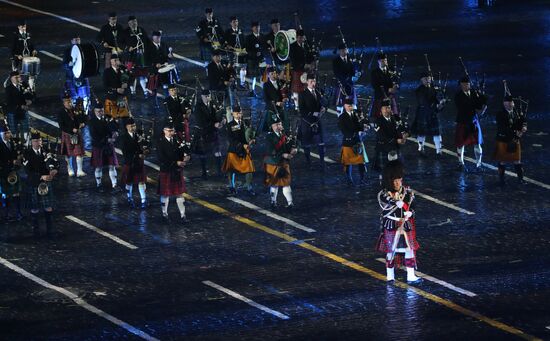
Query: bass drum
85	60
283	40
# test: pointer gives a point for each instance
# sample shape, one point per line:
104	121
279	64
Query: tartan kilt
170	185
348	156
271	178
465	134
40	202
8	189
296	85
99	159
235	163
69	149
385	240
134	174
502	154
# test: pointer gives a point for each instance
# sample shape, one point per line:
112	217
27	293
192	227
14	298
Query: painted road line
442	203
79	301
51	55
101	232
271	214
440	282
42	118
352	265
246	300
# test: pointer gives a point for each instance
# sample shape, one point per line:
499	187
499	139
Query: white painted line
42	118
51	14
271	214
79	301
327	159
51	55
246	300
1	36
438	281
442	203
192	61
101	232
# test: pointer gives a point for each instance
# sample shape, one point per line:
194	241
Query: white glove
400	204
408	214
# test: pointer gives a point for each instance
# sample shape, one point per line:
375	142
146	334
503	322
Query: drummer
235	42
78	87
22	46
157	56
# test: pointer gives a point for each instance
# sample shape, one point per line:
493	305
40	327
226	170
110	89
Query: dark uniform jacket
269	41
99	131
130	148
343	71
254	47
387	134
7	156
35	166
236	137
131	38
67	122
308	104
272	95
176	108
18	43
466	106
168	155
156	55
299	56
350	127
508	123
231	37
205	118
112	80
15	98
205	29
380	79
113	36
217	75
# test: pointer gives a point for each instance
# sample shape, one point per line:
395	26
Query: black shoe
144	205
166	219
184	220
232	191
289	206
422	153
204	176
251	192
251	94
131	203
419	280
273	205
116	189
461	167
99	189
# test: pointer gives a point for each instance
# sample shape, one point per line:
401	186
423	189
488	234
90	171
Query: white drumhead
167	67
31	60
76	55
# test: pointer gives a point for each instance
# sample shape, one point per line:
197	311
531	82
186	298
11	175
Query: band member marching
22	46
426	120
270	44
71	123
103	148
469	105
110	36
397	223
11	151
275	98
115	82
353	126
511	125
388	136
382	84
134	149
210	34
41	166
18	100
238	159
235	43
179	111
172	159
311	129
135	42
159	54
254	49
301	60
344	71
219	78
280	149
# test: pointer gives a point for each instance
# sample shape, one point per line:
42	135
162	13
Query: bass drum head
282	45
85	59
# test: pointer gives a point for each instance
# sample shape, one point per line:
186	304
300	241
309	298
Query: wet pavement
310	273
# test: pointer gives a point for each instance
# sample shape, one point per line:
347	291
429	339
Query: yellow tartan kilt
501	153
112	109
349	157
271	178
234	163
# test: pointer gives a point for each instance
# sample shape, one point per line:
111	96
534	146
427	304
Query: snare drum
167	68
30	66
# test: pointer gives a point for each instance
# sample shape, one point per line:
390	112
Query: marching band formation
285	63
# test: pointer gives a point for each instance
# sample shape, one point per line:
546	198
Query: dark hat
255	23
342	46
205	92
348	101
156	33
386	102
275	21
168	124
76	35
300	33
98	105
216	52
381	55
464	79
310	76
172	86
22	22
508	98
14	73
393	170
112	14
114	56
132	17
208	10
424	74
35	135
129	121
275	118
236	108
233	17
271	69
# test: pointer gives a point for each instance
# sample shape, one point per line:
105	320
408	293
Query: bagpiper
311	129
280	149
511	125
382	84
179	111
397	223
353	126
41	166
71	123
301	61
18	100
344	71
275	99
388	136
134	149
11	151
238	159
172	159
103	148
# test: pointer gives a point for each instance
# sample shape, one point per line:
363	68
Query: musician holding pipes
109	36
219	78
397	238
133	170
275	96
344	71
115	82
382	83
511	125
72	143
18	101
21	46
10	178
103	149
280	149
352	125
210	34
254	48
388	136
301	61
172	160
311	128
135	42
426	120
469	104
179	111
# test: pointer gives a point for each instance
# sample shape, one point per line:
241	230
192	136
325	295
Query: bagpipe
439	86
520	109
51	161
144	139
477	87
18	146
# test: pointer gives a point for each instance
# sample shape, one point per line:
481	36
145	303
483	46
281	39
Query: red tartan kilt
69	149
169	186
99	161
385	241
463	135
137	177
137	71
153	82
296	85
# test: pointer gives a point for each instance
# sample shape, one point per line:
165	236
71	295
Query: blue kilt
310	134
36	201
